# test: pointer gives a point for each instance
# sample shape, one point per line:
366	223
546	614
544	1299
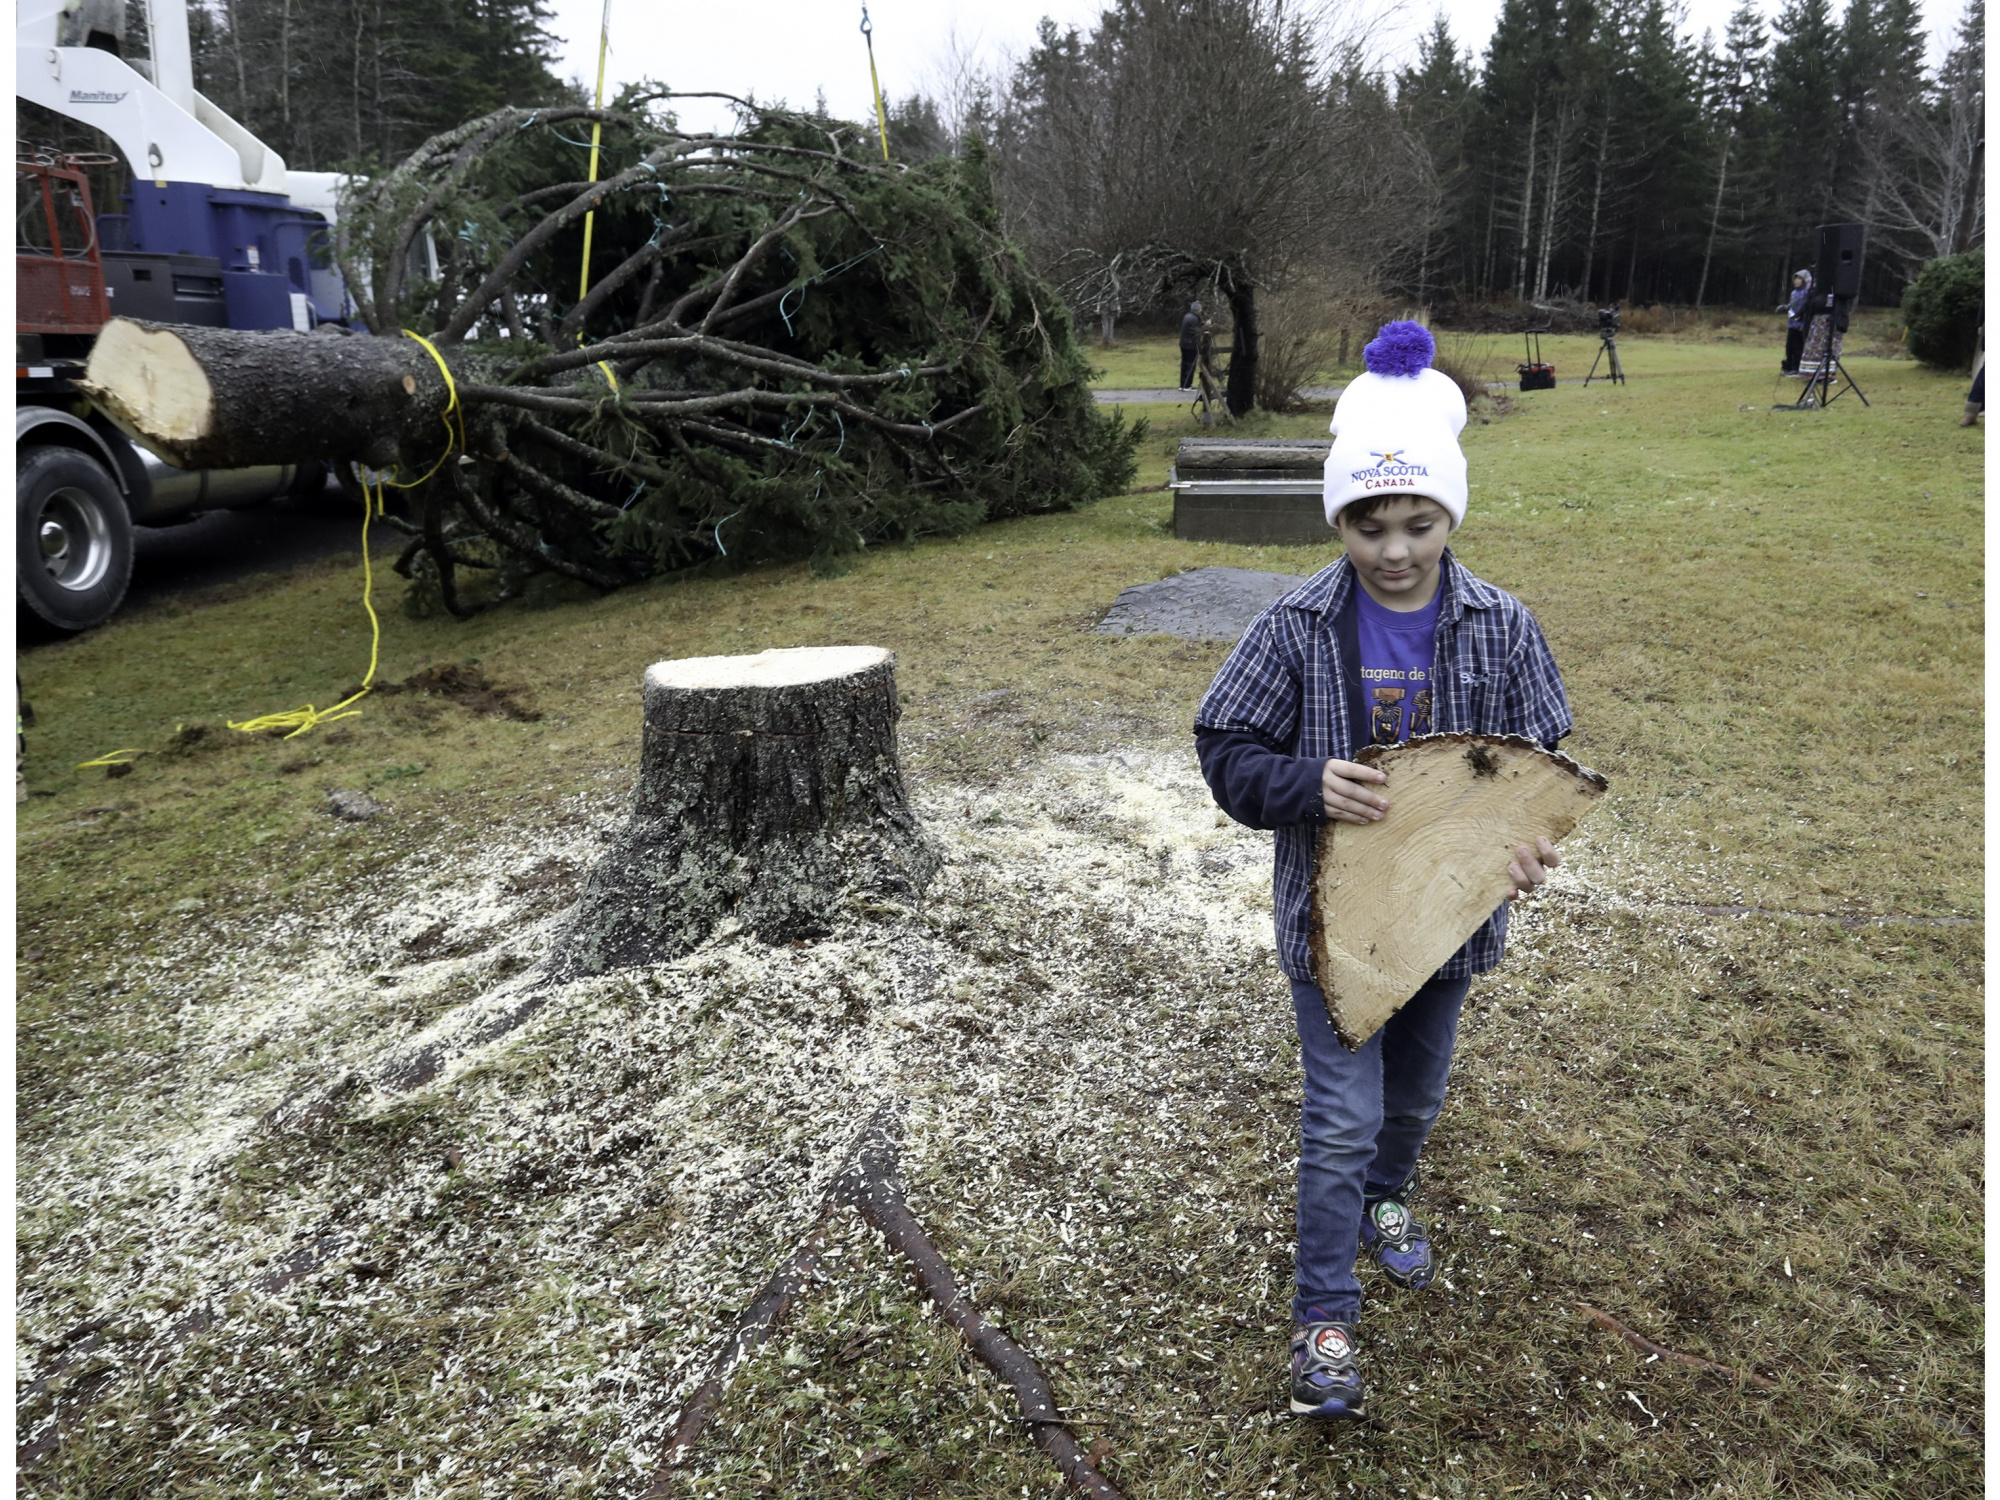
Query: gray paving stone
1205	604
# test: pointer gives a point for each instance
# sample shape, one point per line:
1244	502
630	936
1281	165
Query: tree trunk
1596	202
285	70
1961	232
1527	209
1109	322
769	791
1714	221
1549	197
1242	393
216	398
360	30
234	19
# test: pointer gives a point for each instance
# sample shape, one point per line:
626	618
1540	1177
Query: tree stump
769	791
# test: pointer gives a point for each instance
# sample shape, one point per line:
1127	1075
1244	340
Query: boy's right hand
1346	792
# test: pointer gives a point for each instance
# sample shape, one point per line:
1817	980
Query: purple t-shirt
1397	652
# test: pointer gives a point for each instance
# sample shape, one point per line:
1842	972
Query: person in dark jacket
1190	343
1794	309
1975	399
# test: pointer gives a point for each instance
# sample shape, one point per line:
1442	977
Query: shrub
1460	359
1944	309
1296	340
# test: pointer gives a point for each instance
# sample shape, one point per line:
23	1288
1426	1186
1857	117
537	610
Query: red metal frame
60	289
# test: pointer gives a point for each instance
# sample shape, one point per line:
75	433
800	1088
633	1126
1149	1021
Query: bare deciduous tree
1219	145
1927	161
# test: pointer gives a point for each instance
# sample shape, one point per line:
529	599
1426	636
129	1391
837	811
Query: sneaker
1326	1374
1397	1240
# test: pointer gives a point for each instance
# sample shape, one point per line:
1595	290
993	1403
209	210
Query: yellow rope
451	410
596	135
109	759
299	720
589	219
373	504
881	116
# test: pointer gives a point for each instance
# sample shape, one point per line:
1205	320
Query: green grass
1729	342
1755	1139
1143	362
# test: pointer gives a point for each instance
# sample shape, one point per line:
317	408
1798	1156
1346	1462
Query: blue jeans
1366	1116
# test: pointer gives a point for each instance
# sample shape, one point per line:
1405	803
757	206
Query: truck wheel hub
76	544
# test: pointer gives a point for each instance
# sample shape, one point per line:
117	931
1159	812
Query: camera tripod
1607	343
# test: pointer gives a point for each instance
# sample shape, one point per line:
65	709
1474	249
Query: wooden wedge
1393	900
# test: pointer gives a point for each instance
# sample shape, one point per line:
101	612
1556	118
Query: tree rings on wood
1391	901
148	379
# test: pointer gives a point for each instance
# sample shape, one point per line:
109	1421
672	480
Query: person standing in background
1794	309
1191	322
1975	399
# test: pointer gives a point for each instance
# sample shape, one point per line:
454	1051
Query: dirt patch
466	686
1204	604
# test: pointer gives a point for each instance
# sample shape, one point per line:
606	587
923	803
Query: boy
1394	629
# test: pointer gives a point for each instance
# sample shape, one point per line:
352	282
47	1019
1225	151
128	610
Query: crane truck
213	229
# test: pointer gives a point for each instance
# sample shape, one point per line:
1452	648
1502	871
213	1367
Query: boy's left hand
1531	866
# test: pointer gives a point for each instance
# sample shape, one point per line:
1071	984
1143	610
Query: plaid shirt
1284	684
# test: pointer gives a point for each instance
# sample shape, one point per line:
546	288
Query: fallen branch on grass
1645	1345
753	1327
869	1184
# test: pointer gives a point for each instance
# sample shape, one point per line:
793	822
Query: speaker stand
1822	378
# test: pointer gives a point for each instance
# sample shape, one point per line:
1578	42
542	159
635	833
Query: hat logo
1388	467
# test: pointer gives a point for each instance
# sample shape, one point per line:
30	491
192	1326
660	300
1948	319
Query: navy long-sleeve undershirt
1257	786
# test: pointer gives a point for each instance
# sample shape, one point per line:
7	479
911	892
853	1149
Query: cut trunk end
221	398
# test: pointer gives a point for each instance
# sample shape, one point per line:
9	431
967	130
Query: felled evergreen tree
788	349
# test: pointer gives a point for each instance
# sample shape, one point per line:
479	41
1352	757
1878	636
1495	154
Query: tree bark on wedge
769	792
219	398
1393	900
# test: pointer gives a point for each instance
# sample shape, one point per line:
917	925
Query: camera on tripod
1607	346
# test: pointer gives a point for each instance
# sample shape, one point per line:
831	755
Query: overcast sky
793	49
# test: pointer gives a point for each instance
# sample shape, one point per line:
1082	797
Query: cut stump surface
1391	901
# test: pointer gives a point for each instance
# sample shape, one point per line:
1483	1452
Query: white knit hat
1395	428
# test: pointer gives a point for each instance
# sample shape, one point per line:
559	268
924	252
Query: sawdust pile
1087	1020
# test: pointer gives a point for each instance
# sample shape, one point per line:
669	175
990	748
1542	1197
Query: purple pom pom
1401	348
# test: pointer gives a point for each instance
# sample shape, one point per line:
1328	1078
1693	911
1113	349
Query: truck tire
72	540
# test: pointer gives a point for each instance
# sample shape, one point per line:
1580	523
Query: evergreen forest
1593	151
356	85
